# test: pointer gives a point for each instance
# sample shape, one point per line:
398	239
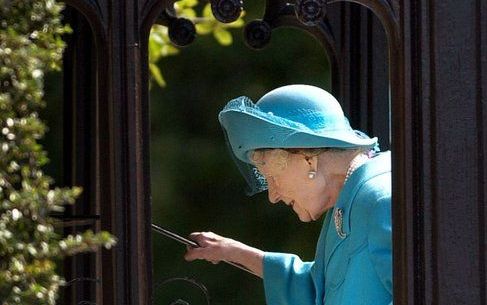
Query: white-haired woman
296	143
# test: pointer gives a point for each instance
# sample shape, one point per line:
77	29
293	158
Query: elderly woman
296	143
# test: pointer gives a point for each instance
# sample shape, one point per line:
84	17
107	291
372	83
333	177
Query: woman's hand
215	248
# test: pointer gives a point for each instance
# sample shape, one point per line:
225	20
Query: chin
305	218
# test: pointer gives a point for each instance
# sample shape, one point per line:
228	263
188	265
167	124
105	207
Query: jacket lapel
339	225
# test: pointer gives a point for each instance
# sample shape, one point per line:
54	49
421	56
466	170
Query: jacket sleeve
288	280
380	240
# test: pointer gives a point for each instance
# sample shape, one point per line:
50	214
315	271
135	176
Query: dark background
195	185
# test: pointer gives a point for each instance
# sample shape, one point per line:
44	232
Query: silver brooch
338	217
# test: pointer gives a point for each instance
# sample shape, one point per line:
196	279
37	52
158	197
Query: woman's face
288	181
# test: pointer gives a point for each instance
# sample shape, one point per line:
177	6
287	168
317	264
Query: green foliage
30	45
160	44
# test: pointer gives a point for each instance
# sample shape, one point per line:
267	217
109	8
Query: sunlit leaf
160	45
237	23
204	28
157	75
186	3
207	11
169	49
223	36
188	13
154	48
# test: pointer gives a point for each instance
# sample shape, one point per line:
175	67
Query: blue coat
350	268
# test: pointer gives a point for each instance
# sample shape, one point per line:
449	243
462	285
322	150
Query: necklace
354	164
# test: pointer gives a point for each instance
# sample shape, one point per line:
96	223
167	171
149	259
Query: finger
211	236
195	253
194	234
198	237
203	239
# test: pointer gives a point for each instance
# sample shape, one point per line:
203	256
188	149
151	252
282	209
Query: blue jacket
353	261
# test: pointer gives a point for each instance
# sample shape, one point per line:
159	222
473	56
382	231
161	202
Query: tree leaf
188	13
223	36
157	75
204	28
207	13
186	3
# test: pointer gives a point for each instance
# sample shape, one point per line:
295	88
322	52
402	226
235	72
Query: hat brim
247	132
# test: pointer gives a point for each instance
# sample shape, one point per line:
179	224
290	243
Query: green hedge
30	45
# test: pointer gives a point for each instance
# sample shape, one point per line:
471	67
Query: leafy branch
30	45
160	45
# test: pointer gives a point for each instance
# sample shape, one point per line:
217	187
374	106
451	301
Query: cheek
316	195
298	187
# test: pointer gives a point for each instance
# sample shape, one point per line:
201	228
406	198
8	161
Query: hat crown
311	106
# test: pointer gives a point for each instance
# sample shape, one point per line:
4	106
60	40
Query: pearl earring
311	174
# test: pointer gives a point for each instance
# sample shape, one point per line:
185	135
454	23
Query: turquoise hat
293	116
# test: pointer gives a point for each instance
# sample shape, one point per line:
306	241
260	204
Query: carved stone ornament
226	11
310	12
257	34
181	31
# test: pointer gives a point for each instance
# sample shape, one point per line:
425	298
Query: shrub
30	45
